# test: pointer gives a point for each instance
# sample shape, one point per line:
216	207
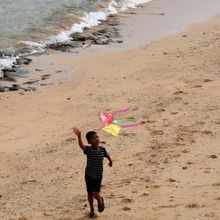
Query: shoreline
166	169
157	18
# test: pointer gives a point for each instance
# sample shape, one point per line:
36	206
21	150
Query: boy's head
92	138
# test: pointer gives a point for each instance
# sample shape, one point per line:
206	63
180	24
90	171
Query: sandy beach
166	169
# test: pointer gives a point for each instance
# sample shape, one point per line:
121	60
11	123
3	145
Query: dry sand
166	169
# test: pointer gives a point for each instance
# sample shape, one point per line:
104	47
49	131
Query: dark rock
91	37
15	87
23	60
21	93
112	16
28	59
7	77
101	31
11	79
31	81
78	37
32	88
2	89
119	41
25	89
44	77
8	70
101	41
38	70
112	23
64	46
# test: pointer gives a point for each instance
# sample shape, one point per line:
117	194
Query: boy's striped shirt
94	167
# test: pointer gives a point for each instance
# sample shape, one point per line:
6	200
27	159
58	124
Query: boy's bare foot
91	214
101	206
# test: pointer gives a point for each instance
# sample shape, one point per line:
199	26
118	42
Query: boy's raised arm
77	132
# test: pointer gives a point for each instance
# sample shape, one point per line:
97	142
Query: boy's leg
90	194
100	200
96	194
90	199
97	197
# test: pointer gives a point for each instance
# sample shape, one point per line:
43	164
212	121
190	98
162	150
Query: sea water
28	26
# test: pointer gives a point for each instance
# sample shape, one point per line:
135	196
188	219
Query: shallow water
30	25
33	19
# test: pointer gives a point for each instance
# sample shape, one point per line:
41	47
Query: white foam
94	18
35	47
7	62
132	4
89	20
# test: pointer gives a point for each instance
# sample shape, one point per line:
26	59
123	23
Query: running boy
94	168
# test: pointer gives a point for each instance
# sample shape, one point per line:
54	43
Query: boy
94	168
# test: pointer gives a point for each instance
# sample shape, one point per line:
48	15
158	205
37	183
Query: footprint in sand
207	80
217	122
154	186
145	194
70	139
185	151
166	161
197	86
206	171
167	206
157	132
211	215
192	205
171	180
29	182
216	184
178	92
161	110
213	156
22	218
111	196
2	204
127	200
206	132
174	113
126	208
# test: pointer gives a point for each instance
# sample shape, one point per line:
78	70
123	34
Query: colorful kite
114	126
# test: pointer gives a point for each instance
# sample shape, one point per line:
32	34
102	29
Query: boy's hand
110	163
76	131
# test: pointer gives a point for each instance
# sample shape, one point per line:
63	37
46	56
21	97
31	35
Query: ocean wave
88	20
7	62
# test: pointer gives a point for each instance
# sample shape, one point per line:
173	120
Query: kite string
132	125
121	111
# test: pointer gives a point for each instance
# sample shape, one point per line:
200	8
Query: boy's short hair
89	135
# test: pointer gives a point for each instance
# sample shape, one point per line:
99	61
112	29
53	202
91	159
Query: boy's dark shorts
92	185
